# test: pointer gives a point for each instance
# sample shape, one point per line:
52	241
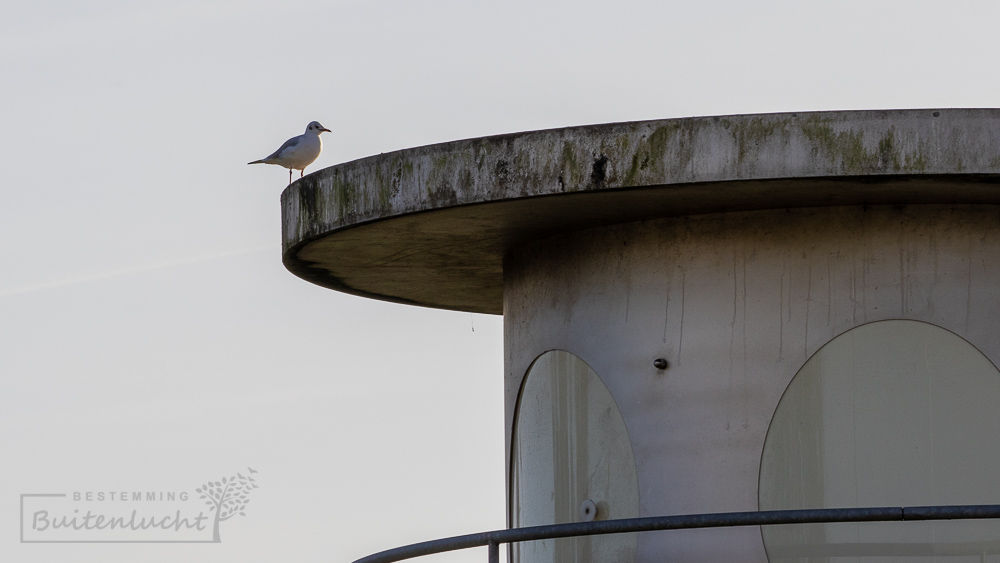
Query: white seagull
298	152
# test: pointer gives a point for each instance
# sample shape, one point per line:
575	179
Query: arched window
571	461
891	413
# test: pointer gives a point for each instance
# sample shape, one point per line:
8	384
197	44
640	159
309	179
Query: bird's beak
327	130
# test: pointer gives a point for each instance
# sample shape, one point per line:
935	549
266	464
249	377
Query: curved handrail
680	522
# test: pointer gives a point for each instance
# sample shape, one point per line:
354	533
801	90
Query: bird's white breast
303	153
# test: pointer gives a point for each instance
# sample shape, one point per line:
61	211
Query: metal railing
682	522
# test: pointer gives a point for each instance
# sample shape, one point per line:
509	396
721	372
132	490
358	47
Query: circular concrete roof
431	225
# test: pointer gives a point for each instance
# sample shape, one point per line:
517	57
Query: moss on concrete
389	179
650	158
344	196
847	148
569	168
750	134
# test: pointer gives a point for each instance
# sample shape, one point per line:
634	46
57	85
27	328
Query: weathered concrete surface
431	225
737	303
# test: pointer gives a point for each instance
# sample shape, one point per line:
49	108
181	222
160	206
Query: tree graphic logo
227	497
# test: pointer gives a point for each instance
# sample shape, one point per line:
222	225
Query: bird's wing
289	144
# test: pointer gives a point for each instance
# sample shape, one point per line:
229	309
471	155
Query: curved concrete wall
736	303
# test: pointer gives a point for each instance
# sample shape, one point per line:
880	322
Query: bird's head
316	127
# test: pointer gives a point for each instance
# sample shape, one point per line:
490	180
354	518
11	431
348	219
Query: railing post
494	549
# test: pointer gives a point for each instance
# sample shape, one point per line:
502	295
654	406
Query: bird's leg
289	176
302	172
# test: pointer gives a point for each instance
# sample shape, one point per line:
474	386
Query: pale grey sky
150	337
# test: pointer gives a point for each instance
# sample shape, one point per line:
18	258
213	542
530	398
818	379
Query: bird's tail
257	162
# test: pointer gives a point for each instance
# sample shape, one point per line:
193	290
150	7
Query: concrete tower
709	315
